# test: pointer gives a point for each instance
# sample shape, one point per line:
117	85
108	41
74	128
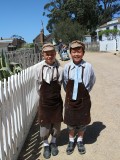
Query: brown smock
50	103
77	112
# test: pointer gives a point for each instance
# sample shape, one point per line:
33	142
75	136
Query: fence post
2	153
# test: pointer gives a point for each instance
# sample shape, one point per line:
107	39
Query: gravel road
102	137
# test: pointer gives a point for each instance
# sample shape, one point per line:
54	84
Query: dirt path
102	137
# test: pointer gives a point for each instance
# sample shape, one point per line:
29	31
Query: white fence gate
18	107
110	45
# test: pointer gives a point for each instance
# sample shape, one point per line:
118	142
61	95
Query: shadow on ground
91	134
32	146
93	131
63	138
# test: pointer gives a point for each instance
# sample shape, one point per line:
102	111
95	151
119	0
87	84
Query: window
115	27
100	36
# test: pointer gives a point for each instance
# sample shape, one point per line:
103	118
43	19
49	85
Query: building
5	44
41	39
87	39
110	42
10	44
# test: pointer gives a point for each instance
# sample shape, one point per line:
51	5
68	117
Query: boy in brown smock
49	77
79	79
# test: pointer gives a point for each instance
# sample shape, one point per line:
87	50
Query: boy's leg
80	145
55	130
44	134
71	145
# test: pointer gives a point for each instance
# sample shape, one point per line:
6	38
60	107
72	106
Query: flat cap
48	47
77	43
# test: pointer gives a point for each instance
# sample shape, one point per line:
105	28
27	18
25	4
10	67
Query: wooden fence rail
26	57
18	107
93	46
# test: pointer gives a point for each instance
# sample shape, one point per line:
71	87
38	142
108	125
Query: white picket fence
18	107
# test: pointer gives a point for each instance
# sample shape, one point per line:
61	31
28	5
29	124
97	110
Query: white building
87	39
109	43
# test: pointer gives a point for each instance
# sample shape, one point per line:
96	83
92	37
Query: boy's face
77	54
49	57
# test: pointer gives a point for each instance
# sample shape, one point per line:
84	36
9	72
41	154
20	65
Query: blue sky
22	18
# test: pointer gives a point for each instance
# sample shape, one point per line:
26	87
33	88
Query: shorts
78	128
46	130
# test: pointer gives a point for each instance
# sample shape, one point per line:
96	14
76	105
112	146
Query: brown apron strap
57	73
82	73
68	71
42	72
52	73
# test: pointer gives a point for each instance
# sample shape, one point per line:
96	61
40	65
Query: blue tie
75	88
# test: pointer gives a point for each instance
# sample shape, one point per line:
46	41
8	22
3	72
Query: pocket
87	106
76	105
79	114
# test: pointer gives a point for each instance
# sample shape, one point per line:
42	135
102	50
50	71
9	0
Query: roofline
110	24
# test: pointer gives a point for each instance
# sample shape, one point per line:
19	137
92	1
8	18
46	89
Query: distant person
79	79
64	53
60	45
64	48
49	76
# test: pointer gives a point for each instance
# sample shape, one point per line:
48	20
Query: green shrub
8	68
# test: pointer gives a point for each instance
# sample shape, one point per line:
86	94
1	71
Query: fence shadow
63	138
93	131
32	146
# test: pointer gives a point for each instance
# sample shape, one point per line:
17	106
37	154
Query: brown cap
77	43
48	47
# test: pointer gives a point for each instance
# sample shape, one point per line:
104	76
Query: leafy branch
110	32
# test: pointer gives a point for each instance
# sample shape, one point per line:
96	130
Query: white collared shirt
88	76
48	70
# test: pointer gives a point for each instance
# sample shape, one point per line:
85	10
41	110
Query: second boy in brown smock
79	79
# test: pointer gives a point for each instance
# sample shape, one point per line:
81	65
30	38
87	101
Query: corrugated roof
36	37
110	23
6	41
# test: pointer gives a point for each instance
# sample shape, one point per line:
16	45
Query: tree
68	31
107	9
88	14
55	12
17	37
84	12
